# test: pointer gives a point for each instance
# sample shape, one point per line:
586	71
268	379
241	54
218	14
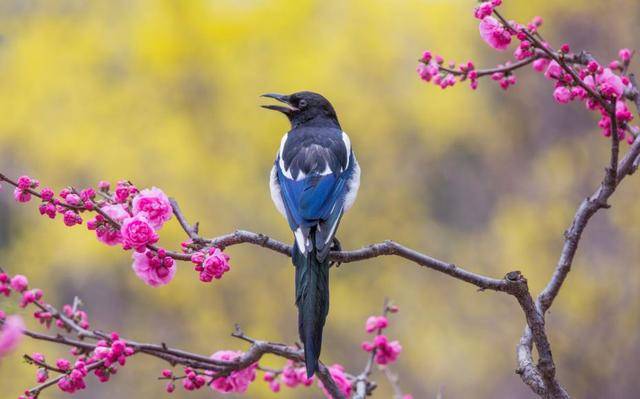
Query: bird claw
337	247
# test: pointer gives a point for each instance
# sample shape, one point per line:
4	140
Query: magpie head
304	107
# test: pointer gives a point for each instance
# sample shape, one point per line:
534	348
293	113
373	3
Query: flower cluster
292	375
154	268
126	217
604	88
211	264
102	360
383	351
237	381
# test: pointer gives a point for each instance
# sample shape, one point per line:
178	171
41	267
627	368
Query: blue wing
315	201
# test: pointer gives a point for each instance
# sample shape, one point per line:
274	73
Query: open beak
283	99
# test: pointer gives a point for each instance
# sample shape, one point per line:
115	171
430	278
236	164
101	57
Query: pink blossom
494	33
72	199
610	84
562	94
153	270
47	194
622	112
19	283
238	381
387	352
375	323
71	218
21	195
154	204
10	334
213	265
625	54
483	10
24	182
344	385
293	376
42	375
137	233
554	71
540	64
105	231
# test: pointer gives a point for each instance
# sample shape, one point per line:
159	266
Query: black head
305	107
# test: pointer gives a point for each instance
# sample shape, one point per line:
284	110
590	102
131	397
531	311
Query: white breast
352	186
276	195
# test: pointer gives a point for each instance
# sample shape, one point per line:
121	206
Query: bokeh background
165	93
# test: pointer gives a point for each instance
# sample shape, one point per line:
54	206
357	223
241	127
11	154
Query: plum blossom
137	233
375	323
213	264
562	94
10	334
554	71
154	204
625	54
610	84
293	376
19	283
496	35
106	232
153	269
238	381
343	383
21	195
386	352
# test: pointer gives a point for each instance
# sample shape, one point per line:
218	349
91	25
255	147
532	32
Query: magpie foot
335	246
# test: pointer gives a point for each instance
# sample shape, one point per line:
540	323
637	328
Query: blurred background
165	93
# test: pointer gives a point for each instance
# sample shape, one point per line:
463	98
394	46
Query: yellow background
165	93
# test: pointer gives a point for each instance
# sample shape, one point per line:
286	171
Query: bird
313	182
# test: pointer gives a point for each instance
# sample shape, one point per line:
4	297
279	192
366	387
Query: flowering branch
576	76
101	353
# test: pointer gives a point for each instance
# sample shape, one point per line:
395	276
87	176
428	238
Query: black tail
312	300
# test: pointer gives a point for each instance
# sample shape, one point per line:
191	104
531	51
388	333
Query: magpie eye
302	103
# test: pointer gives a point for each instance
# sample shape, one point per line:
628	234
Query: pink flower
71	218
293	376
137	233
19	283
238	381
610	84
494	33
153	270
562	94
540	64
344	385
625	54
105	231
47	194
214	265
153	204
622	112
24	182
554	71
387	352
10	334
21	195
483	10
375	323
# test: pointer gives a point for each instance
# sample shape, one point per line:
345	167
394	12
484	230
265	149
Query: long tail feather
312	300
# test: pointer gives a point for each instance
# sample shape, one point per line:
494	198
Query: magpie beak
283	99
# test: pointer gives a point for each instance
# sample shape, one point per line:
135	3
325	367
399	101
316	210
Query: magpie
314	180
